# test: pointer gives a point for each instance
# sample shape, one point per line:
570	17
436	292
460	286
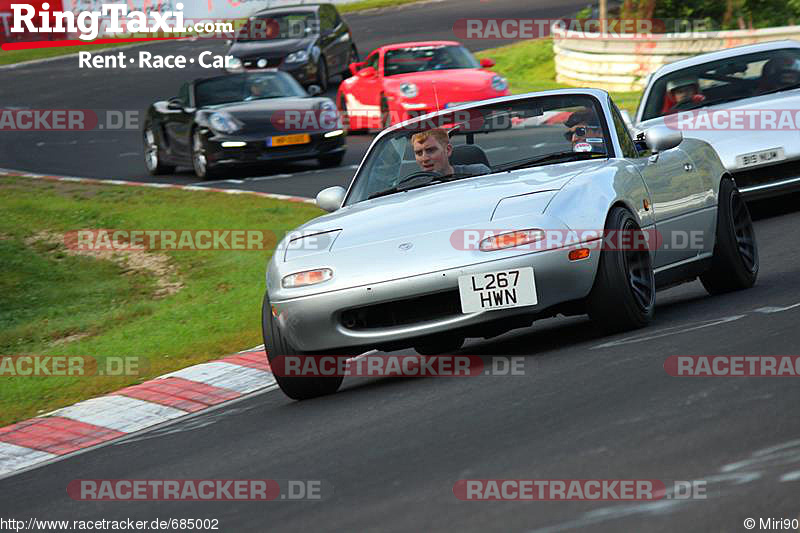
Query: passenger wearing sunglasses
585	132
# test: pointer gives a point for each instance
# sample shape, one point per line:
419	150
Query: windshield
724	80
483	140
421	58
279	26
246	87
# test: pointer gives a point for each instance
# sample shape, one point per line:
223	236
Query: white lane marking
13	457
120	413
275	177
242	379
666	332
235	181
769	309
791	476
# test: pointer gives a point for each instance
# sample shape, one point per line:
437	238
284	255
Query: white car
744	101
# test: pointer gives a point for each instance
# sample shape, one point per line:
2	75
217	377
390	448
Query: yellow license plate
288	140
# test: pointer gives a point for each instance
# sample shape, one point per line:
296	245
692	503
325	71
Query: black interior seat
468	154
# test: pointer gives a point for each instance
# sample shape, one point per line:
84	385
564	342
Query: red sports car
401	81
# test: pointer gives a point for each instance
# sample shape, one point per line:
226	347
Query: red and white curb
132	409
49	177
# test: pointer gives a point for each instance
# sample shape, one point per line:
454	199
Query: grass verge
18	56
530	66
174	309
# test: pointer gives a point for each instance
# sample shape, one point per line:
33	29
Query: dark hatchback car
310	41
241	119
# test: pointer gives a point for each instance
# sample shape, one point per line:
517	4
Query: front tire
152	153
386	115
352	58
202	168
624	293
735	262
296	388
322	74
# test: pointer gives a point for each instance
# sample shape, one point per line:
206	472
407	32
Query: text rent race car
241	119
745	101
411	257
401	81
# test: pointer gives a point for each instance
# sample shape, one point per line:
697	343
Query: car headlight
234	64
409	90
297	57
499	83
306	278
327	105
223	123
511	239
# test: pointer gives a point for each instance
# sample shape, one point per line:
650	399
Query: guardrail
622	63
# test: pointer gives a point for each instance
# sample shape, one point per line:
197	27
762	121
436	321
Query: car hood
258	117
460	83
269	48
425	230
730	143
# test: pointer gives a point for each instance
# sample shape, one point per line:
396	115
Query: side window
624	136
372	61
327	19
336	18
183	94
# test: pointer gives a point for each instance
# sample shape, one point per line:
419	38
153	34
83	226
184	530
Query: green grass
18	56
361	5
47	295
530	66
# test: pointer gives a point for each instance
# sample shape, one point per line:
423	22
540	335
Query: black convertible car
311	42
241	119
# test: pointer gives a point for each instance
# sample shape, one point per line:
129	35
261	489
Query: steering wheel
418	174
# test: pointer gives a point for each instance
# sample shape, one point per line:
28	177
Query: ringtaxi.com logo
68	120
71	366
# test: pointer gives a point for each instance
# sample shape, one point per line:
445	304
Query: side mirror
660	138
314	90
367	72
175	104
331	199
487	63
354	67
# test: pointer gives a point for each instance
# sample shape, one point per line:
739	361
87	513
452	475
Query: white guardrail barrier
622	63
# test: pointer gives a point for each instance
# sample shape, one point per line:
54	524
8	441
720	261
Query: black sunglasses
580	131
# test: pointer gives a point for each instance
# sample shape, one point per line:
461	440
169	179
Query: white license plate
760	158
502	289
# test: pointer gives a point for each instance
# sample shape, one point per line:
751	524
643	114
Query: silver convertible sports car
745	101
479	219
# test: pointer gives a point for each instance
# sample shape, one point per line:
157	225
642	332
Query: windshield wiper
432	181
550	158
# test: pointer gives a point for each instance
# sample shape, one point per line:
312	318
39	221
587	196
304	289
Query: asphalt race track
117	154
588	407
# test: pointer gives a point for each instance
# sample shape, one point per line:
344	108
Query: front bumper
315	323
256	150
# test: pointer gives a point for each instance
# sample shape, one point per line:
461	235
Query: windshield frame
694	69
285	77
598	96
